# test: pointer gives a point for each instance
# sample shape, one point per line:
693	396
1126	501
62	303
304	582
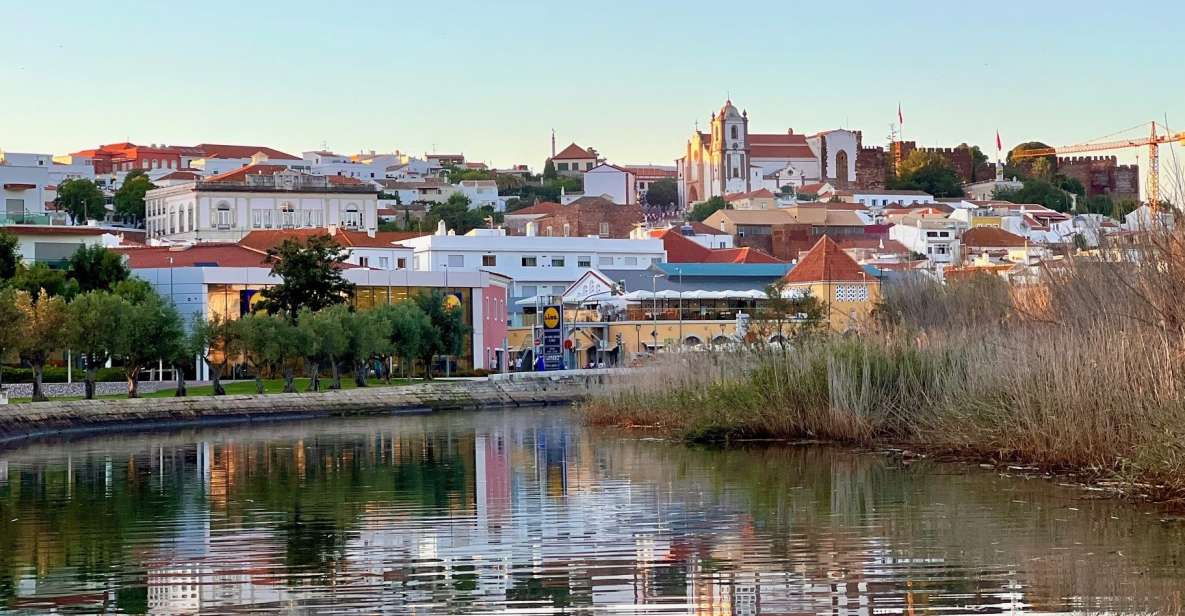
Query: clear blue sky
492	79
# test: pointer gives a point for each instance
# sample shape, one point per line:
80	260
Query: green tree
41	277
43	321
406	327
149	332
215	339
929	172
129	199
1038	191
13	330
327	334
446	336
93	329
257	337
133	290
549	172
702	210
94	267
10	256
662	193
81	199
310	274
367	333
456	214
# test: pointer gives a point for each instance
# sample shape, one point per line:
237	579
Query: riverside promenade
24	421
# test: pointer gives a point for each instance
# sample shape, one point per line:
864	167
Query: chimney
441	228
531	229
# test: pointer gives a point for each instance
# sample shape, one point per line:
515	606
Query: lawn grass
270	386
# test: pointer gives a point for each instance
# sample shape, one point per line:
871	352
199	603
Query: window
529	262
419	263
352	218
489	260
561	166
931	234
256	219
734	132
604	229
401	263
583	261
851	293
287	216
384	262
567	230
224	219
631	260
605	261
529	290
557	261
456	260
364	261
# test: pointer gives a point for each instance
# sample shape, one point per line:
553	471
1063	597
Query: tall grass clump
1078	370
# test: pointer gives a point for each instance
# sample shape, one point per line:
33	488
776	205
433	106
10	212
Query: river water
529	512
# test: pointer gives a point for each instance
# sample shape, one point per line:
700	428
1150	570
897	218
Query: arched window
352	217
693	341
223	218
287	215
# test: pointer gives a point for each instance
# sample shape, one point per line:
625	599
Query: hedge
54	374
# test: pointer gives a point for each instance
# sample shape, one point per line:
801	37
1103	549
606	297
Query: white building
937	238
614	183
884	197
28	183
482	193
538	265
53	244
225	207
329	163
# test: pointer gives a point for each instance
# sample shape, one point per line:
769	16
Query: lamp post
680	272
654	311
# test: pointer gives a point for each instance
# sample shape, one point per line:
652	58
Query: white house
937	238
884	197
53	244
538	265
482	193
28	183
225	207
615	183
329	163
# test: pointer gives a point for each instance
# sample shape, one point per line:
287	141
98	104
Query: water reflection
524	511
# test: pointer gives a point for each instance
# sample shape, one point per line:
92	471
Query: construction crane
1153	142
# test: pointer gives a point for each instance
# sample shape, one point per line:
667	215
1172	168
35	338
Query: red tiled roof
811	189
992	237
779	145
826	262
262	240
681	249
542	208
343	180
571	152
884	245
240	174
761	193
79	230
219	150
645	172
180	175
220	255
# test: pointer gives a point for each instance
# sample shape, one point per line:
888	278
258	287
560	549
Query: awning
17	186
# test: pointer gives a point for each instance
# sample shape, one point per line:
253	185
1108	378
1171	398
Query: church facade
729	159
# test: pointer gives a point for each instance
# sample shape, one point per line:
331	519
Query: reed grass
1079	373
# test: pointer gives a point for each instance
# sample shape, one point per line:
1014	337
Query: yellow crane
1153	143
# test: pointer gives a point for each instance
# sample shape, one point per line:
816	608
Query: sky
491	79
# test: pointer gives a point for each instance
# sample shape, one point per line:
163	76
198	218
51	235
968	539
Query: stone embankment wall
23	421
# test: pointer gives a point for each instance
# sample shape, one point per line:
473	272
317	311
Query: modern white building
53	244
937	238
28	184
614	183
225	207
883	198
538	265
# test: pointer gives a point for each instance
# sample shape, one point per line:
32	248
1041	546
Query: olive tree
13	330
149	332
93	330
214	338
43	321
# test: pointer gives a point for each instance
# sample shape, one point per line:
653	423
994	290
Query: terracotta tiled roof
779	145
992	237
571	152
263	239
811	189
219	150
542	208
644	172
180	175
826	262
240	174
761	193
342	180
220	255
681	249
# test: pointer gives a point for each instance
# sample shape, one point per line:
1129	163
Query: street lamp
654	311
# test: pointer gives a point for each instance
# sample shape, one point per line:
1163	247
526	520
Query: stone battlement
1074	160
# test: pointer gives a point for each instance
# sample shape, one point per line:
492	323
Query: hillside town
639	258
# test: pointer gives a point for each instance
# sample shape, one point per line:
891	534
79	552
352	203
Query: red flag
999	146
900	118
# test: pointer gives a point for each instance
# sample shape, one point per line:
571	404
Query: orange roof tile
220	255
219	150
571	152
992	237
826	262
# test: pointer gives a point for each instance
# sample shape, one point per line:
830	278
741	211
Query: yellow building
848	292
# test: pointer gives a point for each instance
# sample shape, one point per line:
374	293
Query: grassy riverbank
1082	373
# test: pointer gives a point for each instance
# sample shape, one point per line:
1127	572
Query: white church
731	160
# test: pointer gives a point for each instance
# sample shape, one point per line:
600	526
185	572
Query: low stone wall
24	421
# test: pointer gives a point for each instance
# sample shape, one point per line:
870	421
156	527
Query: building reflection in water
517	511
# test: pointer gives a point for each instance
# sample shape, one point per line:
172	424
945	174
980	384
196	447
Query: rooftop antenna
553	143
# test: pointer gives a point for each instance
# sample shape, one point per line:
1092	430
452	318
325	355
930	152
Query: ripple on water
527	512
